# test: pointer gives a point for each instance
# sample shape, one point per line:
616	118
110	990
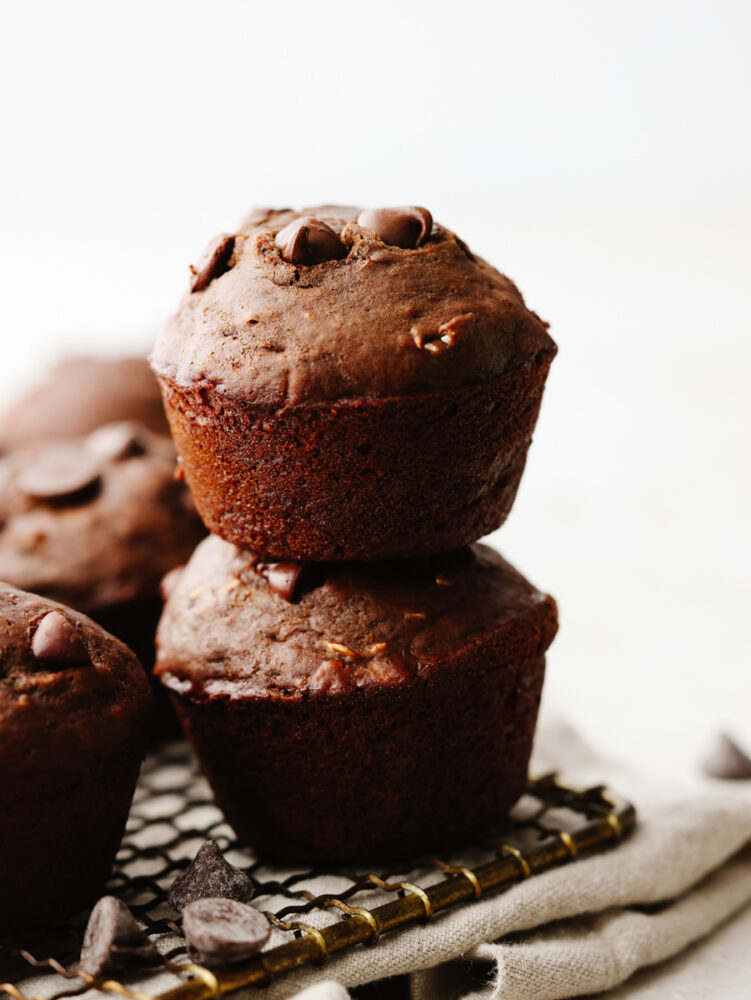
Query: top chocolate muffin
346	384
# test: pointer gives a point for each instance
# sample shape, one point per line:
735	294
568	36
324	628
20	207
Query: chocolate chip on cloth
209	874
80	394
75	713
375	339
113	940
727	760
222	931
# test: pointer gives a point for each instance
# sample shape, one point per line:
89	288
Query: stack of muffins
353	394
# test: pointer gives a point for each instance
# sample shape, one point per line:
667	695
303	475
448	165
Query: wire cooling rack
315	913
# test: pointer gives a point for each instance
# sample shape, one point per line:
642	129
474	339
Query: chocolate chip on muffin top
332	303
94	521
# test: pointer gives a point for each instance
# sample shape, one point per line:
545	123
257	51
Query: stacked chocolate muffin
353	394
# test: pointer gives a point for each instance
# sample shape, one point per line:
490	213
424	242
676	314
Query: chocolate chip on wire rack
727	760
113	940
221	931
209	875
56	643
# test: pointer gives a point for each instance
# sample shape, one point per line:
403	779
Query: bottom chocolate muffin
75	713
355	712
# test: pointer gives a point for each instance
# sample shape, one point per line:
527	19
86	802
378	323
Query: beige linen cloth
588	927
585	927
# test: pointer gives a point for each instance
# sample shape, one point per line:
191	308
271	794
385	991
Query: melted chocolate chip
213	264
219	931
309	241
209	875
61	475
115	442
726	760
407	227
56	643
113	940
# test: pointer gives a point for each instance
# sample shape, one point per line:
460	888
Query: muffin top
97	520
235	627
334	303
68	690
80	394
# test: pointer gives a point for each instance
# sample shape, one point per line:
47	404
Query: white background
598	152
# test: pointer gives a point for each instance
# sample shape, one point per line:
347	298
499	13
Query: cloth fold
586	927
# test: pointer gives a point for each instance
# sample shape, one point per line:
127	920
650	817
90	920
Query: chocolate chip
219	931
406	227
56	643
282	577
115	442
726	760
61	474
210	875
213	263
113	940
309	241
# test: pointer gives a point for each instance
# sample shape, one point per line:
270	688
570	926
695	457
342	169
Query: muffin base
362	478
59	842
372	775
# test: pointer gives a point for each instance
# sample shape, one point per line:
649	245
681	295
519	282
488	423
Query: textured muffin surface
382	320
80	394
94	521
225	632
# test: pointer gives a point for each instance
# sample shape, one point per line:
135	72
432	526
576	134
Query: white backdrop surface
598	153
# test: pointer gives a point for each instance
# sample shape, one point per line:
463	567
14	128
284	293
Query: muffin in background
95	522
351	385
75	711
355	712
78	395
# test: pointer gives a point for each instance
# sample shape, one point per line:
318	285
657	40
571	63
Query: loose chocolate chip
309	241
113	940
56	643
726	760
220	931
61	474
213	263
406	227
210	875
115	442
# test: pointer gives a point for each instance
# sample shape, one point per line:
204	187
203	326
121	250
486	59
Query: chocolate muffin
74	715
80	394
345	385
95	522
354	712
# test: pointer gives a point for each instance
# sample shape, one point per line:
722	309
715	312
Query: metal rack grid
315	913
